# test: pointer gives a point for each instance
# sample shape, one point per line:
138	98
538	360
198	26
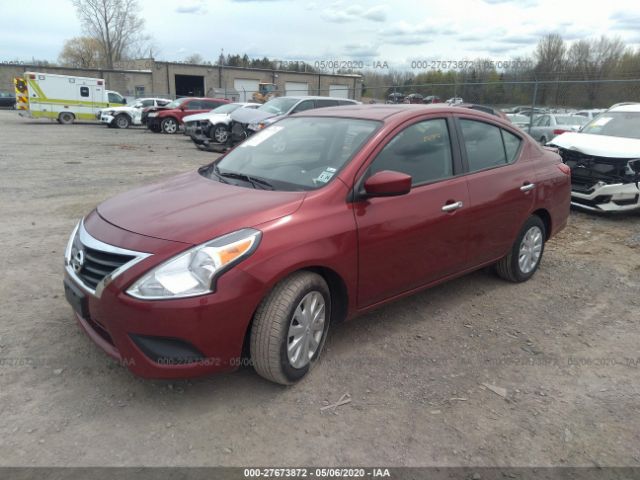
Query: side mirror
387	184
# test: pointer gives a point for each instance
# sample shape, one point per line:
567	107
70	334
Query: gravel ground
473	372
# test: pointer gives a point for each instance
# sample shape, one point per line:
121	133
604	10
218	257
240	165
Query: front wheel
122	121
290	328
524	258
169	125
220	133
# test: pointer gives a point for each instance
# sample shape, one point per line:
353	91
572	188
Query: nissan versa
317	218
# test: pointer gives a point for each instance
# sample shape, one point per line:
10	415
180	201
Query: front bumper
107	119
175	338
603	197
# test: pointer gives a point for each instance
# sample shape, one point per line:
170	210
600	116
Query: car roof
631	107
383	112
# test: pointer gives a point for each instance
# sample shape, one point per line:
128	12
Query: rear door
501	183
408	241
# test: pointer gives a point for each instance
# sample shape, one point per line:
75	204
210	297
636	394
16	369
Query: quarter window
511	145
422	150
483	144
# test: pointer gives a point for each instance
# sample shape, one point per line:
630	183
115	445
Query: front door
411	240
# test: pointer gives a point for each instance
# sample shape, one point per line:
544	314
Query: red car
168	119
317	218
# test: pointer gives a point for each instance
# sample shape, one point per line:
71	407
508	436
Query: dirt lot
559	353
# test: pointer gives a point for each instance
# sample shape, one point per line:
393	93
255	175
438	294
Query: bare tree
115	24
195	59
81	52
550	58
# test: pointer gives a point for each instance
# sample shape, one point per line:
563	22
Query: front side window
302	106
294	154
113	97
147	103
422	150
483	144
194	105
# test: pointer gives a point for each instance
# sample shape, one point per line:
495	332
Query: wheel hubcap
122	122
306	329
530	250
170	126
220	134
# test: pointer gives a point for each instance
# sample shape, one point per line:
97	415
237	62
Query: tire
169	125
121	121
280	312
220	133
66	118
543	140
530	239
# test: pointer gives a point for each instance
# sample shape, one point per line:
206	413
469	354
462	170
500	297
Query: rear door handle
450	207
527	186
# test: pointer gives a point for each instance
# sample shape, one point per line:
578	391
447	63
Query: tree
114	24
195	59
81	52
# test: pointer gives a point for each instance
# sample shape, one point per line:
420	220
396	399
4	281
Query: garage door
340	91
296	88
246	88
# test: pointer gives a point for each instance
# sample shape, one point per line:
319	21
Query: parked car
605	160
8	99
454	100
590	114
546	127
325	215
520	121
532	111
131	114
246	122
216	124
432	99
395	97
168	119
414	98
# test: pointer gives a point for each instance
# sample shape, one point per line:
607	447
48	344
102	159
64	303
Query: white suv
605	160
131	114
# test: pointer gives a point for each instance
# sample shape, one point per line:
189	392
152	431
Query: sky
370	33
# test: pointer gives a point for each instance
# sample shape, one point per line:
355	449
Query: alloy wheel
306	329
530	250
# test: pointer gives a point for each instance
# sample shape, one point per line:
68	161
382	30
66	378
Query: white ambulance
62	97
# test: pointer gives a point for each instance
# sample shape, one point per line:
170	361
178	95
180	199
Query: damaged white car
604	158
131	114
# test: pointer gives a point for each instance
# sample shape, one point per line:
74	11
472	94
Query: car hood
599	145
197	117
190	208
250	115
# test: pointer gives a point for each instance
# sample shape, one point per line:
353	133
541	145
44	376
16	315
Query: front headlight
195	271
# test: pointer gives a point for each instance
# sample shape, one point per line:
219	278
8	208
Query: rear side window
511	145
422	150
302	106
483	144
326	103
345	102
211	104
84	91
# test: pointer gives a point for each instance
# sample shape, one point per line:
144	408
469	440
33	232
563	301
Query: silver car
547	126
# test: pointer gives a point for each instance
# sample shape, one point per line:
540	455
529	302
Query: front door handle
527	187
450	207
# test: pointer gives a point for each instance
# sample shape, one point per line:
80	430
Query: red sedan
168	119
317	218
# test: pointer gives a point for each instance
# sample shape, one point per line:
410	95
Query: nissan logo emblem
77	260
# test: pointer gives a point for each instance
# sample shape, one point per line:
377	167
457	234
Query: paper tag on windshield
325	176
261	136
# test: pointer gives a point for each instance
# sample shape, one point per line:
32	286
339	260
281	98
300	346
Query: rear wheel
219	133
543	140
66	118
122	121
524	258
290	327
169	125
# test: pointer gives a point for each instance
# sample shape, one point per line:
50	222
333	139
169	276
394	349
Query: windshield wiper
255	181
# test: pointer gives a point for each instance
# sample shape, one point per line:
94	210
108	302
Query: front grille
99	264
587	170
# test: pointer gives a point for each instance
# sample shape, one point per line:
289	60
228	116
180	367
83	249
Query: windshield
176	103
294	154
227	108
570	120
615	124
278	105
